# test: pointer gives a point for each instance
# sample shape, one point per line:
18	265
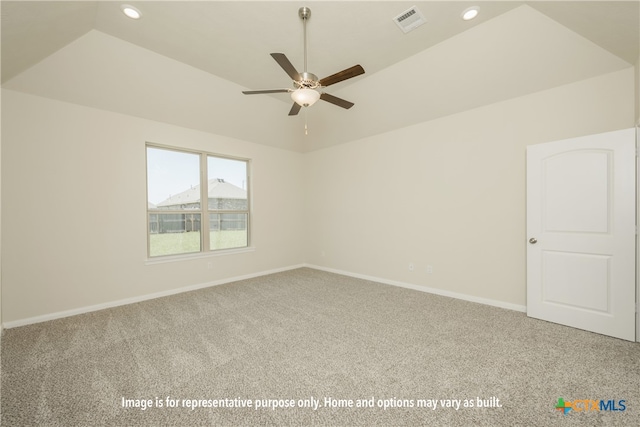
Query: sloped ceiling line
186	63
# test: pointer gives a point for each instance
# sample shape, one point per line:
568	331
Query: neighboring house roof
218	189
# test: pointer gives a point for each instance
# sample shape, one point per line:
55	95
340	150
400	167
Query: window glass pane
177	210
227	180
228	231
172	184
172	179
172	234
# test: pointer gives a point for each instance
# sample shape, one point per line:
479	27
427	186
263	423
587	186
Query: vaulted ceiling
186	63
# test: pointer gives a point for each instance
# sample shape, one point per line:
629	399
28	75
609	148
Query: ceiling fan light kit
305	97
307	88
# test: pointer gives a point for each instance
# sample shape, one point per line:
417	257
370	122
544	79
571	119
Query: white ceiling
186	62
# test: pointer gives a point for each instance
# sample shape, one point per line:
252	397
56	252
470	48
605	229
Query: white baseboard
133	300
465	297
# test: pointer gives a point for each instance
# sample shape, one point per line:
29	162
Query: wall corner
637	91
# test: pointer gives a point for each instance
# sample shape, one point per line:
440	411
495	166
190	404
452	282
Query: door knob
533	240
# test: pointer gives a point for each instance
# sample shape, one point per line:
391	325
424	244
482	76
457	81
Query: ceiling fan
307	88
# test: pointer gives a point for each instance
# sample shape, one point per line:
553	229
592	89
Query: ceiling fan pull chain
306	130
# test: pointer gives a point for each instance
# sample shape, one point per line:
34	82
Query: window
177	183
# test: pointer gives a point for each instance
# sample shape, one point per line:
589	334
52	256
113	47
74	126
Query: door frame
637	238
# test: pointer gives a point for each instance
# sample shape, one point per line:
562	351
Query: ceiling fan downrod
304	13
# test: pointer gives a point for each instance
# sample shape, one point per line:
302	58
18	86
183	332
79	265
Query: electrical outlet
209	265
411	267
429	269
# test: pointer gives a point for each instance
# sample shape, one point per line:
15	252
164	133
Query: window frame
203	211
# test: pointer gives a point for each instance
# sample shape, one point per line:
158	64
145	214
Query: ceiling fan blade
286	65
295	109
336	101
356	70
256	92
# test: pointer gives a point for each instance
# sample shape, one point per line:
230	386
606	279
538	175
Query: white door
581	232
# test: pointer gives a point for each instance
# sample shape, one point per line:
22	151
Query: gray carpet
307	334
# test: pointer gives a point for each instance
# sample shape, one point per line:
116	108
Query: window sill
199	255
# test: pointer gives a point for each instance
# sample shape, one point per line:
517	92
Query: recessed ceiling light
470	13
131	11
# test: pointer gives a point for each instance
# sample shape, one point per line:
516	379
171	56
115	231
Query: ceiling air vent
410	19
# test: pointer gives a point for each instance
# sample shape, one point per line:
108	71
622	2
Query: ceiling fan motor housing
307	80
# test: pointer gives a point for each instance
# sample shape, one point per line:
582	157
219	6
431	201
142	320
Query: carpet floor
305	348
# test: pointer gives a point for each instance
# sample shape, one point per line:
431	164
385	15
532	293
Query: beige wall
637	92
449	193
73	208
